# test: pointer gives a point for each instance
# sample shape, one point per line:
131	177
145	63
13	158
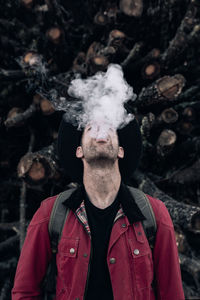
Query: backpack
58	218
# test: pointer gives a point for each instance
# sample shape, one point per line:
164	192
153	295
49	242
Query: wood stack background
43	45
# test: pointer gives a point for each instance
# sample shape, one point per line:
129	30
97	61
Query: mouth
101	141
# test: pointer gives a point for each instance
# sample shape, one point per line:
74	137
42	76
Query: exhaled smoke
102	101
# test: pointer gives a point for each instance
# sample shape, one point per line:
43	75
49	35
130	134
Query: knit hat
69	139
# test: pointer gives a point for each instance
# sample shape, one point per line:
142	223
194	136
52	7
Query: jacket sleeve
34	258
166	260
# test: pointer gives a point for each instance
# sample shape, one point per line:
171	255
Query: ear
79	152
121	152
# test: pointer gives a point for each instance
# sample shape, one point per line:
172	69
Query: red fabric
129	259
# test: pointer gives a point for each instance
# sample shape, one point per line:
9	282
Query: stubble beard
96	157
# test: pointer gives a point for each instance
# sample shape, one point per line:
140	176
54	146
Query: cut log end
17	117
37	171
15	111
167	137
116	34
189	113
31	58
171	87
166	142
132	8
55	35
47	107
101	19
24	165
151	70
98	63
169	116
164	89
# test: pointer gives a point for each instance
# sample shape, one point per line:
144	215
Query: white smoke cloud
102	98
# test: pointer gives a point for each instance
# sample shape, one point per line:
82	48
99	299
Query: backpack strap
57	220
58	217
149	224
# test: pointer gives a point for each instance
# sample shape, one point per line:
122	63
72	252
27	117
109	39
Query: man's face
97	147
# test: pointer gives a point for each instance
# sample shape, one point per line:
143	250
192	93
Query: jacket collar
129	206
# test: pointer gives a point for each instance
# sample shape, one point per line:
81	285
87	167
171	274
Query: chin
103	158
104	155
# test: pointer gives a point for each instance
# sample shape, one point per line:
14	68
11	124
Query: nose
100	132
102	135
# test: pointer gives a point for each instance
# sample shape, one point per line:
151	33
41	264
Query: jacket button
139	233
136	251
72	251
112	260
123	225
85	255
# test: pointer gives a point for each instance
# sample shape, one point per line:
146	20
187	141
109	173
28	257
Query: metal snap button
123	225
136	251
139	233
72	251
85	255
112	260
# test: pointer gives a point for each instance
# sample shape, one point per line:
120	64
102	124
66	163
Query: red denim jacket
129	257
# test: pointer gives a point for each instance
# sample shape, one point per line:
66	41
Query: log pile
44	45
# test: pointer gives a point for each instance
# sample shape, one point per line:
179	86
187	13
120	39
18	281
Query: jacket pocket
68	247
142	265
66	261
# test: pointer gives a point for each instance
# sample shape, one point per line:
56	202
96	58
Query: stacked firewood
44	45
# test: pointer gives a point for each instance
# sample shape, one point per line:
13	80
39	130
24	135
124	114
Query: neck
102	184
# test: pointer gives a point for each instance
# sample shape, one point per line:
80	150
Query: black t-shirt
100	222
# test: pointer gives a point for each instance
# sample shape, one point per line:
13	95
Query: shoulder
43	213
160	211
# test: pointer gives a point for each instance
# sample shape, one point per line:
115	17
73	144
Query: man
103	253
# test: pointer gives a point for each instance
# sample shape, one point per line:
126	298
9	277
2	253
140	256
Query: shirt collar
129	206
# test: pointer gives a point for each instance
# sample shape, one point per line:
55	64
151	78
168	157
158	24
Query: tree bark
19	118
183	35
182	214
